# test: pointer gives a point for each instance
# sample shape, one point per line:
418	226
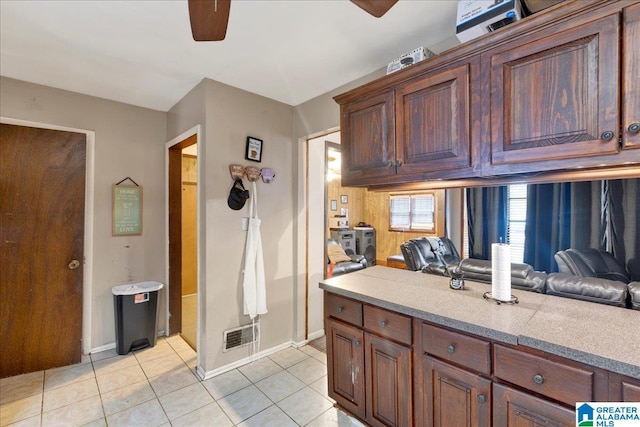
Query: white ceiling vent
239	337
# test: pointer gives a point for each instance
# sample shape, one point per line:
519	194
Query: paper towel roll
500	271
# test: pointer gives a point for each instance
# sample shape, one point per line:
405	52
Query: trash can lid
136	288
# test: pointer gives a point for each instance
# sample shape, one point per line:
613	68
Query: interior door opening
183	240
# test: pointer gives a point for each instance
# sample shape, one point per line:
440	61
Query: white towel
255	292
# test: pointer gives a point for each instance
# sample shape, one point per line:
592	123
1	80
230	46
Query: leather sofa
592	289
591	263
523	276
340	263
432	253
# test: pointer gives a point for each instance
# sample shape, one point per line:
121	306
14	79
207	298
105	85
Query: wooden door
345	367
388	368
556	97
42	190
453	397
631	78
368	136
513	408
433	122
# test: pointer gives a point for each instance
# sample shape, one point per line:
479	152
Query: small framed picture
344	199
334	205
254	149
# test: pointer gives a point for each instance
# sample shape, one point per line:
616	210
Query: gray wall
129	141
230	115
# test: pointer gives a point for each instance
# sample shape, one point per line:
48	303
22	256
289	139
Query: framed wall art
127	210
254	149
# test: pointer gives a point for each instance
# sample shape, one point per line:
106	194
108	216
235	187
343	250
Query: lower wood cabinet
388	381
345	366
391	370
514	408
454	397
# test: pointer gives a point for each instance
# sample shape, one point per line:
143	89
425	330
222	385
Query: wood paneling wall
373	208
189	227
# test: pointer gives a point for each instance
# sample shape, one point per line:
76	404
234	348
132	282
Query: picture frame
127	210
334	205
254	149
344	199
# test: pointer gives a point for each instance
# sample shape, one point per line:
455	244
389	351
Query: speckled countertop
596	334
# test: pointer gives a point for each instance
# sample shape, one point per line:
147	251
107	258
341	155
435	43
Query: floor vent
239	337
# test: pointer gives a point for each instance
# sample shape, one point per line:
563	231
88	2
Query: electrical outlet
244	224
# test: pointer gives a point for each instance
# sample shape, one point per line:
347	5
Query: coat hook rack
252	173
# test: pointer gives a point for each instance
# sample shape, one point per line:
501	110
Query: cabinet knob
482	398
389	163
634	128
607	135
383	324
538	379
339	309
357	343
398	162
451	348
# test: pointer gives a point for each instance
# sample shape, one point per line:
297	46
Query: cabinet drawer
388	324
343	308
472	353
556	380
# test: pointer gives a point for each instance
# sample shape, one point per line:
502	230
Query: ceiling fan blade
376	8
209	19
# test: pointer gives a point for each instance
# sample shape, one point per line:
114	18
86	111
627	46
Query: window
516	217
413	212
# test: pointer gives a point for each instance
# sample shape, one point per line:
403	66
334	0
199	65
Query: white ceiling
142	53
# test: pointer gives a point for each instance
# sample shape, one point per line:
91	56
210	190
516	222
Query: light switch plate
244	224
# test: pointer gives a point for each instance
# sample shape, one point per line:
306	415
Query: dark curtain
561	216
486	219
622	222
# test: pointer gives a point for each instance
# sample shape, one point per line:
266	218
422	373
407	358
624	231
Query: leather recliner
429	254
591	263
343	263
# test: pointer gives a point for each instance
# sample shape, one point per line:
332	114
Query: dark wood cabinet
631	78
513	408
369	126
454	397
556	93
623	389
345	366
433	123
388	381
555	97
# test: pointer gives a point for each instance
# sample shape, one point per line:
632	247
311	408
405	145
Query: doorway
183	165
317	225
42	222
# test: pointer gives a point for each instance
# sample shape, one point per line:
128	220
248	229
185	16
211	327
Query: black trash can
136	315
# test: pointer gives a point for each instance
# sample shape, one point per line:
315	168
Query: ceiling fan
209	18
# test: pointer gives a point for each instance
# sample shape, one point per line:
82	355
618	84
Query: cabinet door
368	139
513	408
433	122
388	382
453	397
631	78
345	357
556	97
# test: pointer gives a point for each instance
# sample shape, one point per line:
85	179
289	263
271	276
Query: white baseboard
105	347
226	368
316	335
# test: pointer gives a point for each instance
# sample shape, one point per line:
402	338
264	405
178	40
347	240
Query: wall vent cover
239	337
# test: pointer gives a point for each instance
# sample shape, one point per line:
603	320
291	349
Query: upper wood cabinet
369	127
556	97
433	117
555	92
631	81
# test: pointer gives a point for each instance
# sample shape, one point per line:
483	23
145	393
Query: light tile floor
158	387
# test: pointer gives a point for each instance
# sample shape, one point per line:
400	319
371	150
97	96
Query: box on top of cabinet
416	55
478	17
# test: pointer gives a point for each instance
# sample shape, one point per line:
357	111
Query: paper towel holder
512	300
